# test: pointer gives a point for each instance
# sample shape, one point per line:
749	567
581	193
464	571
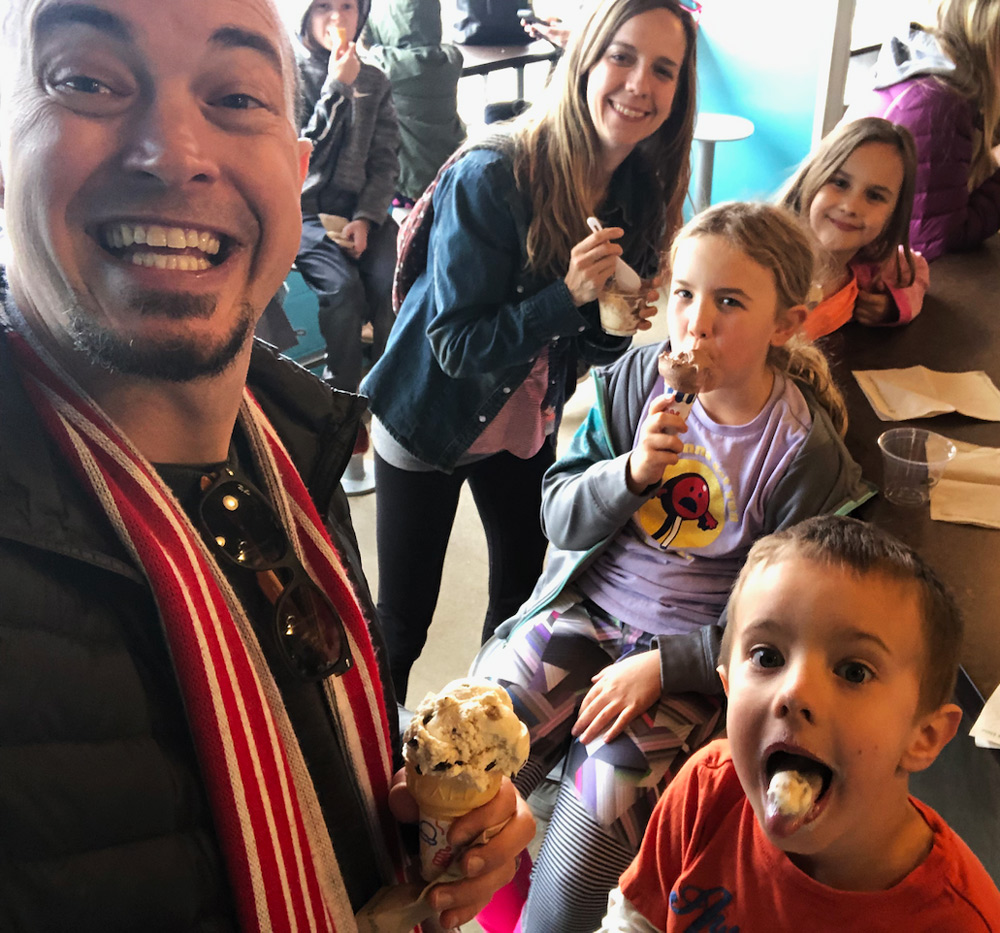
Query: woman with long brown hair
490	336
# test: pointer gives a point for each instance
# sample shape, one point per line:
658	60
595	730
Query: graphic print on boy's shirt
674	560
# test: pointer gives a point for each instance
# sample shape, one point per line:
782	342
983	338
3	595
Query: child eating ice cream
839	660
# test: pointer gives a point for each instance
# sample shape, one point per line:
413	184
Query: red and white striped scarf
280	859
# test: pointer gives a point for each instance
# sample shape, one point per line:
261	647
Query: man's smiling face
151	177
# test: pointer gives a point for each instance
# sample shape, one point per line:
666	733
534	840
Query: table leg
704	161
520	82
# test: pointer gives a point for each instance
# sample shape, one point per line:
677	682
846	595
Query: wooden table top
482	59
958	330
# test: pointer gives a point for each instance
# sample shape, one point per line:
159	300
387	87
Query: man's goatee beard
179	359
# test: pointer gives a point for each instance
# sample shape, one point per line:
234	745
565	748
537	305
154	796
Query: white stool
709	129
358	480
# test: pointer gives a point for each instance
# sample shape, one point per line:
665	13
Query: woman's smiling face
630	90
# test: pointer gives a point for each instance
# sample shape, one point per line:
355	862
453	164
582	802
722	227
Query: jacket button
482	418
582	328
506	390
520	289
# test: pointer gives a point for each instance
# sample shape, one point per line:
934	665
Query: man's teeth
121	236
160	261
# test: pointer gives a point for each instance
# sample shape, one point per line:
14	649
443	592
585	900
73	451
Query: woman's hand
357	232
873	308
487	867
658	447
621	692
592	263
649	309
346	66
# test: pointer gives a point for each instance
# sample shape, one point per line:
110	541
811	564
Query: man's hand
357	232
873	308
658	447
621	692
344	67
486	867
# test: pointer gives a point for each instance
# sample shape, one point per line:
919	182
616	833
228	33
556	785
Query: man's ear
724	677
931	733
788	325
305	151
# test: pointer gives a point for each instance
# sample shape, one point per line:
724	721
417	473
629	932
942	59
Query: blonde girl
856	193
614	654
943	85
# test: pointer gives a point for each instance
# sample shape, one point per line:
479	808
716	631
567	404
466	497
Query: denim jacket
475	320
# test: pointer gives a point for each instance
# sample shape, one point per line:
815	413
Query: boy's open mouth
183	249
797	786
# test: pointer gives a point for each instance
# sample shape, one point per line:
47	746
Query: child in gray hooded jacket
349	117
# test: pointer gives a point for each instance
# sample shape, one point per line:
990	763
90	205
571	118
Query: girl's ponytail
801	359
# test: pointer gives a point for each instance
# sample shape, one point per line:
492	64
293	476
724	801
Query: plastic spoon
626	277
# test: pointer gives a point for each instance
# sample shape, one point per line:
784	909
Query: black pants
350	292
414	516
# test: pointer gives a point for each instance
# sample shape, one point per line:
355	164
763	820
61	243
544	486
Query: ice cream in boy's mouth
796	785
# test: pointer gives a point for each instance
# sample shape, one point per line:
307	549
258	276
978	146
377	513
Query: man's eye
763	656
239	102
83	85
854	672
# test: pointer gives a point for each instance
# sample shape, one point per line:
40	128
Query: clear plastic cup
913	461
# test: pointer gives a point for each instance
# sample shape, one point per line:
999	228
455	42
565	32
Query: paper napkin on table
969	491
986	730
919	392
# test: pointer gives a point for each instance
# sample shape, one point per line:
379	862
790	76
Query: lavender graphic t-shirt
670	568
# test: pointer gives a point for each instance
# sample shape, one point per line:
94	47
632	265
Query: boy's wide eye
854	672
766	656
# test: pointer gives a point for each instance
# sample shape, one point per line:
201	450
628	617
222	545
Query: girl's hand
487	867
551	29
592	263
357	232
658	447
873	308
344	67
621	692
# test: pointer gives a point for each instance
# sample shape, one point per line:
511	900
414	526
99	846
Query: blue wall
762	61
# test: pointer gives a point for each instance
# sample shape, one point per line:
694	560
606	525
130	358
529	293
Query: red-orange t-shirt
705	864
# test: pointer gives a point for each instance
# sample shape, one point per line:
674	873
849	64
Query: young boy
839	658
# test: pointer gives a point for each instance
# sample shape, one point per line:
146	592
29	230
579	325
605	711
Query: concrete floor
454	635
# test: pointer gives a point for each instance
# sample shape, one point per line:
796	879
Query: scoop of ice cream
469	728
685	371
790	797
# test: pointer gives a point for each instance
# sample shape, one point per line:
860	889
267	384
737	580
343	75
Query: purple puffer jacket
946	215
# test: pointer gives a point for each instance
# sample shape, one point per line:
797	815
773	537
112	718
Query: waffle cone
446	797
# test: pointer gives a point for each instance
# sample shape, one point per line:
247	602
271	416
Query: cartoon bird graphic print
684	498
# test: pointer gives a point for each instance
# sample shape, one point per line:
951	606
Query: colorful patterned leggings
608	790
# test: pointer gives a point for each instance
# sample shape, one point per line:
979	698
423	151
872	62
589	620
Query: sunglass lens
312	632
244	527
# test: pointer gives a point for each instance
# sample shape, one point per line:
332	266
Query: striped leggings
608	791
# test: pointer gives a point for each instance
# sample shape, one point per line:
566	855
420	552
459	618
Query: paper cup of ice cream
458	748
620	310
